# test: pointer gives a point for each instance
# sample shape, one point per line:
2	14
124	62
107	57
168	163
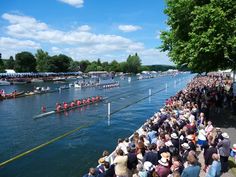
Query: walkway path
227	122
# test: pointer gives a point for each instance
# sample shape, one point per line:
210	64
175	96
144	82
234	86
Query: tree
10	63
59	63
202	33
115	66
105	66
74	66
25	62
83	65
92	67
144	68
99	62
133	63
42	60
2	67
123	67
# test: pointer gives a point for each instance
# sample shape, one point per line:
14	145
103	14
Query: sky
84	29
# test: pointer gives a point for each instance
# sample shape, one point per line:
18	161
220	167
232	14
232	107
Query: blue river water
74	154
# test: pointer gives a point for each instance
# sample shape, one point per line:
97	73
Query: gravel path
227	122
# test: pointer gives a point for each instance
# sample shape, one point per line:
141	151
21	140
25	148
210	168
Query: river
74	154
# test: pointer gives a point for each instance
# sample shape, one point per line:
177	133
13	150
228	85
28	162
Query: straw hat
101	160
225	135
163	162
185	146
174	136
165	155
234	148
148	166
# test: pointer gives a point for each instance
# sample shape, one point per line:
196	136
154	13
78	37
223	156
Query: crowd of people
168	144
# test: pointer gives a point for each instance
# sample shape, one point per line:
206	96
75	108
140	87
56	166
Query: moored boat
13	95
4	82
36	80
19	81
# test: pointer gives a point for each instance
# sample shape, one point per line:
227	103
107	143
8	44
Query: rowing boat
63	110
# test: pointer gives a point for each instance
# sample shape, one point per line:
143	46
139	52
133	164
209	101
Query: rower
78	102
14	94
84	101
65	105
43	109
97	98
58	108
72	104
88	100
93	99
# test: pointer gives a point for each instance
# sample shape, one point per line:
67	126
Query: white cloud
9	46
75	3
6	42
158	34
154	56
84	28
28	33
129	28
28	27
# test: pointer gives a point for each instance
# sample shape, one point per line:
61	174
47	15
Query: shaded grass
232	166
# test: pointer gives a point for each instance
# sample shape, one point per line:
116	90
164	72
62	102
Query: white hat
234	148
168	143
174	136
189	137
225	135
185	146
163	162
148	166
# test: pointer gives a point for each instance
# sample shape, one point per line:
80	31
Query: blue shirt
214	170
191	171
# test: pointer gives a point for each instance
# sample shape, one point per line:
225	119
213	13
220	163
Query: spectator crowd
168	144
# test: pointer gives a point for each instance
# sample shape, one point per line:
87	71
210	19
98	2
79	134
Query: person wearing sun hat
185	152
163	168
224	151
175	140
233	152
149	167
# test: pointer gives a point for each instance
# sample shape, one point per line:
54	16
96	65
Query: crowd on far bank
168	144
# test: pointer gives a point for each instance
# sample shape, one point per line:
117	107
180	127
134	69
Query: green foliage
10	63
123	67
133	63
115	66
202	33
25	62
106	66
42	58
83	65
59	63
2	66
91	67
160	67
74	66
